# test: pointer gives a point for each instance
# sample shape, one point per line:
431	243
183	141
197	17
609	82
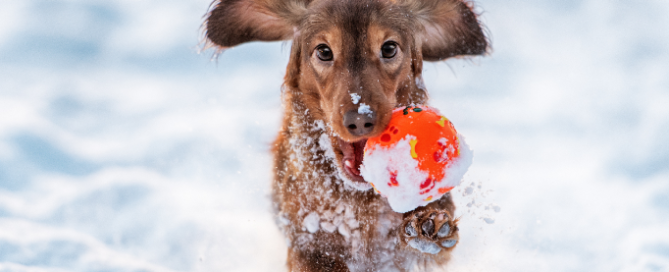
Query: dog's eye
389	49
324	53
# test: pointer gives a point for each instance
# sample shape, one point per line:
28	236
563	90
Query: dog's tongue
359	151
353	155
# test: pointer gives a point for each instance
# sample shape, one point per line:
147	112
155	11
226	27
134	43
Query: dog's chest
362	229
321	211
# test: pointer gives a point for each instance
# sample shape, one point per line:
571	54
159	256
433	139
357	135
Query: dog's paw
430	231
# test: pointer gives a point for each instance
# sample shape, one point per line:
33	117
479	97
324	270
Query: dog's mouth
351	161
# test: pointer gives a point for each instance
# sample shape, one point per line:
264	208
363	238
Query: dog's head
353	61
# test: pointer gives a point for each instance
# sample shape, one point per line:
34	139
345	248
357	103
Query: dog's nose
359	124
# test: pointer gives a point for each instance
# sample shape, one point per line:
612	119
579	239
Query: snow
355	98
328	227
375	170
420	83
425	246
407	194
324	142
448	243
124	151
312	222
360	186
364	109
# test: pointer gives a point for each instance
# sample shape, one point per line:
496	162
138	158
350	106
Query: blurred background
123	149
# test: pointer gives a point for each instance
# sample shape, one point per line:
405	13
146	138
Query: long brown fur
329	224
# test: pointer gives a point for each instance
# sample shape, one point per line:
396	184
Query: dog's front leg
314	261
431	229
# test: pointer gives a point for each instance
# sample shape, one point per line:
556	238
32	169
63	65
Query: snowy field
122	149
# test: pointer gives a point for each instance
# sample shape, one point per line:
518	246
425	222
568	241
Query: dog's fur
331	219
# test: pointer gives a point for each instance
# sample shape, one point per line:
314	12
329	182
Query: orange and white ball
417	159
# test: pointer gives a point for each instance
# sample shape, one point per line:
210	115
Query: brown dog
351	63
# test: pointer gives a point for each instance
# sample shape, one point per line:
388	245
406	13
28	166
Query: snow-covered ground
122	149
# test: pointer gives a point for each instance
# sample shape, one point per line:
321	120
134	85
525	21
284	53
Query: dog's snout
359	124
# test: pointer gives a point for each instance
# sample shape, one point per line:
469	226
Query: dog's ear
449	28
232	22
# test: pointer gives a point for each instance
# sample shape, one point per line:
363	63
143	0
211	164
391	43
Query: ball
417	159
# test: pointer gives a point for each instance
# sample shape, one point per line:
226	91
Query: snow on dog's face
355	64
352	61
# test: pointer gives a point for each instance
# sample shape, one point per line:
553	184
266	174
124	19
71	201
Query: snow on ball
417	159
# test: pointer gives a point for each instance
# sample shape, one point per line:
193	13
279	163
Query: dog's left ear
232	22
450	28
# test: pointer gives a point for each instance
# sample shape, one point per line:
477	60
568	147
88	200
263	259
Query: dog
351	63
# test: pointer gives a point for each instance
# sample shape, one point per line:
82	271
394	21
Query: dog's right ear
232	22
449	28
